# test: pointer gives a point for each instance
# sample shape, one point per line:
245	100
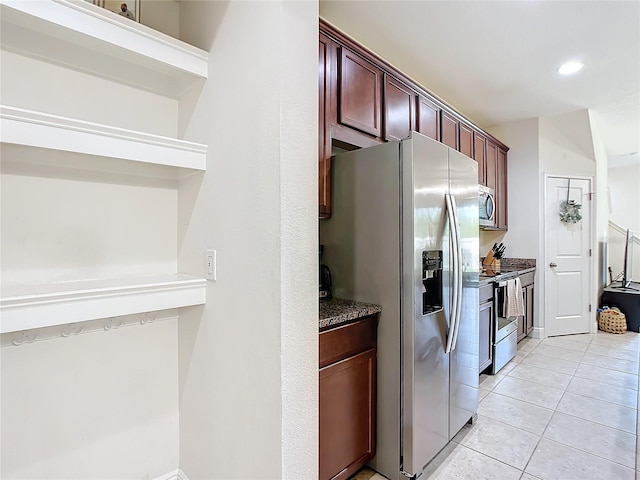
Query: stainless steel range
505	327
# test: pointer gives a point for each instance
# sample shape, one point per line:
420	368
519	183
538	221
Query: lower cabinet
525	324
347	398
528	308
486	317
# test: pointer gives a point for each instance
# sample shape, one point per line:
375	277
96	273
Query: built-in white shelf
42	130
88	38
26	307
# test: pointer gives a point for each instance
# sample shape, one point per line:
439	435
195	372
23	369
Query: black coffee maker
325	278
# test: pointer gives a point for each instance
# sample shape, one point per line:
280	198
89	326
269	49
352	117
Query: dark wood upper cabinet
360	94
466	140
428	118
365	101
326	116
399	111
479	154
501	190
450	127
491	165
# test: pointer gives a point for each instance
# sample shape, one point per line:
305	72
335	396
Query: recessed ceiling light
570	68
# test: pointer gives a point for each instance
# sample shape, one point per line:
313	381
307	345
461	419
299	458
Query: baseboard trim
538	332
176	474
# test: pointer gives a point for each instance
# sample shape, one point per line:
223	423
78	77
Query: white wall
624	187
524	187
36	85
61	229
101	405
524	192
566	148
563	145
248	361
560	151
601	198
161	15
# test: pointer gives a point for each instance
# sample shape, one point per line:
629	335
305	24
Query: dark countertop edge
489	280
343	311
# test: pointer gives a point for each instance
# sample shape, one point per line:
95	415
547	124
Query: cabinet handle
553	264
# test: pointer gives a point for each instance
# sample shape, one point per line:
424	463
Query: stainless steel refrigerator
404	234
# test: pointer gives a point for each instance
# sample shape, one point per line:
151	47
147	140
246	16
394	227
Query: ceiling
496	61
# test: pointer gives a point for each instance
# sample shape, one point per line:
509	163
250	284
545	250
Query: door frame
593	324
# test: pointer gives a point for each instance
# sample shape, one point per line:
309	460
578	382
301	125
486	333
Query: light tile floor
565	408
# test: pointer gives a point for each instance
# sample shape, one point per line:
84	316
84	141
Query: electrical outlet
210	264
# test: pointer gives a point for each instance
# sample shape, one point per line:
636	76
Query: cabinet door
522	329
360	102
399	112
491	165
501	190
486	338
528	309
428	118
326	79
479	154
522	321
466	140
450	126
347	414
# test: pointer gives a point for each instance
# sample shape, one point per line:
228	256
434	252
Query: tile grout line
585	451
543	432
547	425
489	456
637	390
554	411
525	401
594	422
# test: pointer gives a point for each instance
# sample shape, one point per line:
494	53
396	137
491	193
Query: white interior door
568	262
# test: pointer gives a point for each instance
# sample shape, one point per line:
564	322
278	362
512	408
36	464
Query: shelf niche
116	146
87	38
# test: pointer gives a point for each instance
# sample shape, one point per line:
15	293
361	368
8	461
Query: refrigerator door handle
457	272
453	232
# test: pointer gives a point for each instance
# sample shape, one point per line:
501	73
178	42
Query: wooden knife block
490	263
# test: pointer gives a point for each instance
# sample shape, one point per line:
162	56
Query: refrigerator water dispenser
431	281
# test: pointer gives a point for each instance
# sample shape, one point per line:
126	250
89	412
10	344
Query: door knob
553	265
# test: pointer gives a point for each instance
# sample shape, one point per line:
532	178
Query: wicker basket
612	321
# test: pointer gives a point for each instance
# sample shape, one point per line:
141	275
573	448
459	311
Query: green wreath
570	211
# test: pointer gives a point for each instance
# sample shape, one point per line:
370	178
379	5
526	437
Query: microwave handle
490	205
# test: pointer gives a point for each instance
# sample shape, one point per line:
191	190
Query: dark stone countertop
487	280
338	311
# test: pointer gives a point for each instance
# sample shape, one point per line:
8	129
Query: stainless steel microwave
487	206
